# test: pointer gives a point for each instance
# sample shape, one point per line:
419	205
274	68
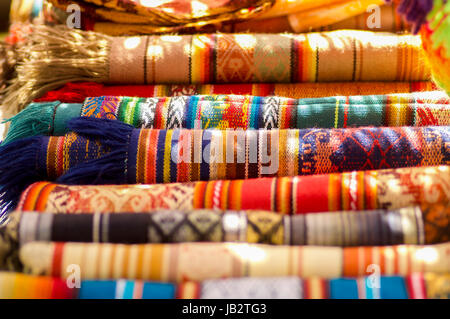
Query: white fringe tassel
52	57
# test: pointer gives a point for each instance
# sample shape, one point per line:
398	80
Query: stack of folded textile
210	149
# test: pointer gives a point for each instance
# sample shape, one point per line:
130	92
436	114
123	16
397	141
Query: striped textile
361	228
102	151
77	92
248	112
165	156
238	112
387	189
202	261
243	58
415	286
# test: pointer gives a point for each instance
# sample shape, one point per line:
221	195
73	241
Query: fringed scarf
204	261
415	286
77	92
101	151
237	112
378	189
58	55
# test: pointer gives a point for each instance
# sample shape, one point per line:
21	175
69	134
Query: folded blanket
203	261
386	189
360	228
101	151
415	286
234	111
58	55
77	92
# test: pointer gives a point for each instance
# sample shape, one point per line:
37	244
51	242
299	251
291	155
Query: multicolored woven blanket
202	261
235	111
101	151
379	189
210	58
360	228
415	286
116	17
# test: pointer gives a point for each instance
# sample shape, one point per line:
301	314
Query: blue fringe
108	132
19	168
110	168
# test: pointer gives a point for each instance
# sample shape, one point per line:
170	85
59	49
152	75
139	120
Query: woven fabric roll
387	189
102	151
203	261
416	286
236	111
77	92
210	58
362	228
